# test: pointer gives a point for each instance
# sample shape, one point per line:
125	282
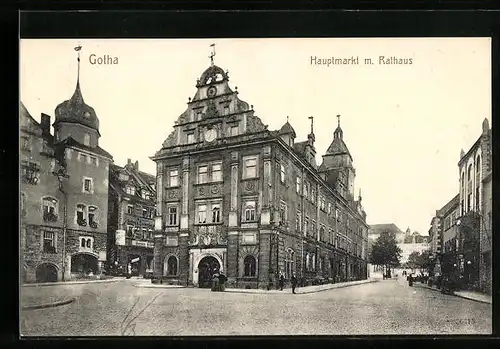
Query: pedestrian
293	281
282	282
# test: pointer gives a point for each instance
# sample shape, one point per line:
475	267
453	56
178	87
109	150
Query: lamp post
61	177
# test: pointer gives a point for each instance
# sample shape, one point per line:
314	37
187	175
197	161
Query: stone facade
236	197
132	195
64	193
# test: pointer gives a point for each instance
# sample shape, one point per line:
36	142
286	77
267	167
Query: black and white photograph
242	187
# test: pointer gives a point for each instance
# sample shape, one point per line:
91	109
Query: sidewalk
114	279
303	290
471	295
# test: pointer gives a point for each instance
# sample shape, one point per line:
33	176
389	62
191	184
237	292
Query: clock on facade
212	91
210	135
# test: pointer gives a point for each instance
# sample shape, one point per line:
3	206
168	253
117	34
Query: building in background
464	223
132	208
474	242
236	197
64	193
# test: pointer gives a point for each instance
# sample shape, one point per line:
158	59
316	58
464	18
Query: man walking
293	281
282	281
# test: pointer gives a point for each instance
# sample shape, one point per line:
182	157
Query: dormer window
234	130
86	139
130	190
226	110
190	138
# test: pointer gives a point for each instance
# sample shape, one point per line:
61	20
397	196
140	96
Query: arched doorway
83	263
206	269
46	272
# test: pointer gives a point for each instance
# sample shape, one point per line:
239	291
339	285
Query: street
384	307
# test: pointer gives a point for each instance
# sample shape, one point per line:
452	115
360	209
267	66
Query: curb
456	295
48	305
230	290
158	286
70	283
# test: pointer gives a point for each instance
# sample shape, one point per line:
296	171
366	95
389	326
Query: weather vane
212	54
312	123
77	49
338	119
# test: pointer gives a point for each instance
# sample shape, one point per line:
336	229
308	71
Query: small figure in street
129	271
410	280
293	281
282	282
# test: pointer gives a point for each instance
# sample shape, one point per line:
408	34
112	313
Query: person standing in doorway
293	281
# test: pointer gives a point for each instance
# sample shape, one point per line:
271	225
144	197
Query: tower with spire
337	166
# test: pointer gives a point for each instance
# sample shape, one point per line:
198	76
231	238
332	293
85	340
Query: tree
418	260
413	260
385	251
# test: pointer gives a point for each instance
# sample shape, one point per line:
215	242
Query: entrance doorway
206	269
46	272
83	263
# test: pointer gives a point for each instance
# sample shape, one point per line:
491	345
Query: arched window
80	214
250	265
50	208
92	215
469	173
215	213
83	243
172	265
89	243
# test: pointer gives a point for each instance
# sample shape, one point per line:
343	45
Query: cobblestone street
385	307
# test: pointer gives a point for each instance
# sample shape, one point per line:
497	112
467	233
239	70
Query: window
250	167
130	230
282	173
86	242
25	143
49	243
313	195
306	189
190	138
93	160
250	266
283	213
80	215
92	216
50	209
226	110
306	226
82	157
234	130
199	115
202	174
86	139
329	208
88	185
249	238
216	172
172	266
249	211
145	213
130	190
202	213
298	221
130	209
313	228
145	195
216	213
173	178
322	234
298	184
172	216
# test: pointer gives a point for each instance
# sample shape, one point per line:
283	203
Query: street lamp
61	176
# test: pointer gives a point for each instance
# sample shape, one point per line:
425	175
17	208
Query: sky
403	124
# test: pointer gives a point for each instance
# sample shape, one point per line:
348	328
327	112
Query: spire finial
77	49
312	123
287	118
212	54
338	119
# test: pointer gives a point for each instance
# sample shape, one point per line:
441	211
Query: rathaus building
236	197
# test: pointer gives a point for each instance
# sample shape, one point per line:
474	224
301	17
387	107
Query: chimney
129	161
45	124
137	165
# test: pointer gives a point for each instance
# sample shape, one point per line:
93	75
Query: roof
71	142
137	176
287	129
338	147
449	206
380	228
76	110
